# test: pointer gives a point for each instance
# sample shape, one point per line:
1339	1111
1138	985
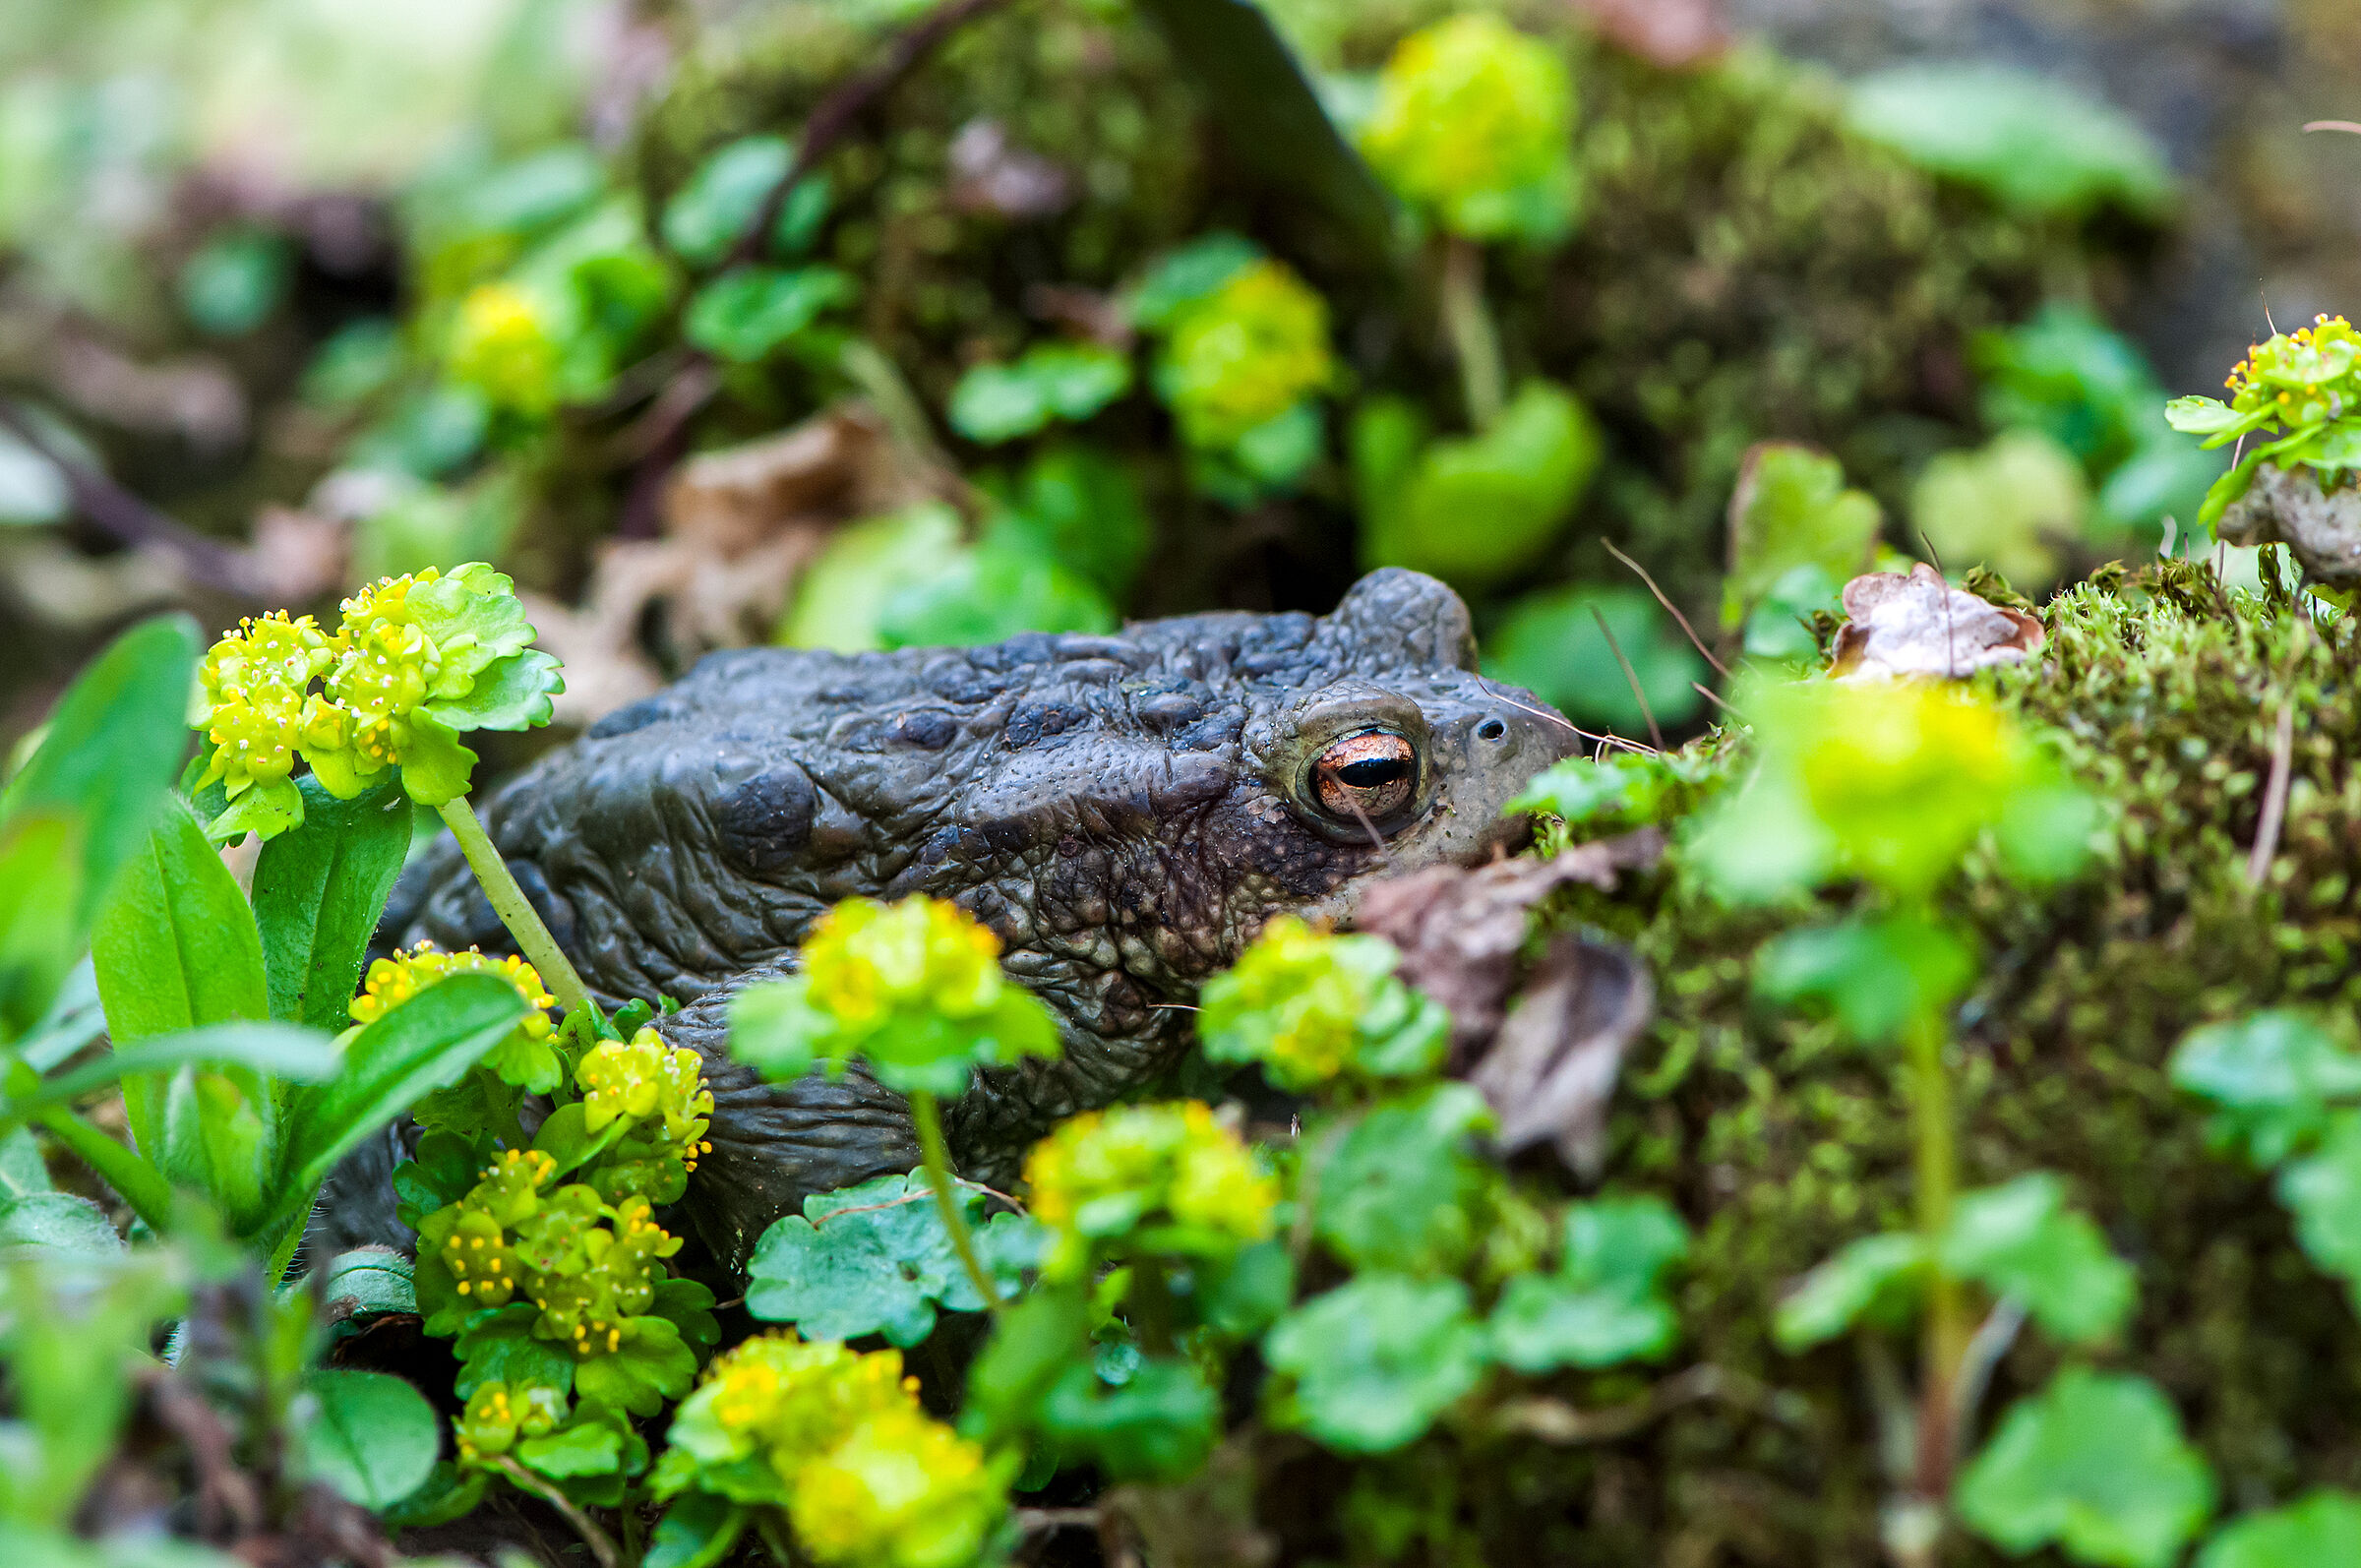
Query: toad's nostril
1492	730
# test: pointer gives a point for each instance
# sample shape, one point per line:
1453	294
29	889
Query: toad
1125	811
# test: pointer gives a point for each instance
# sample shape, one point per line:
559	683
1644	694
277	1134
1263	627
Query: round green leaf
374	1437
1376	1360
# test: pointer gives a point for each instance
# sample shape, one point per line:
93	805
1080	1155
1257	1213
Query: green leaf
424	1044
651	1366
696	1532
111	749
2207	416
235	281
374	1437
1778	629
2272	1074
267	1050
581	1448
1049	382
1400	1188
1158	1426
1791	510
2095	1463
368	1282
57	1224
1032	1345
2038	144
1873	976
318	892
23	1171
1522	476
706	217
2015	504
1857	1281
448	1493
1195	272
1551	643
841	597
881	1268
1617	790
1241	1296
2324	1193
40	910
1601	1306
1080	507
2321	1528
1376	1360
498	1348
989	594
515	693
2020	1241
175	948
745	315
437	768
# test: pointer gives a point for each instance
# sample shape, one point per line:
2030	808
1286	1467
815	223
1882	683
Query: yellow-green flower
506	345
901	1491
913	989
1166	1179
1246	354
1475	121
496	1417
2305	379
1313	1007
771	1406
663	1089
525	1061
253	704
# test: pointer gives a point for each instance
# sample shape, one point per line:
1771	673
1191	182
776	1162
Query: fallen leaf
992	174
1552	1071
2286	506
1919	625
1459	929
1672	33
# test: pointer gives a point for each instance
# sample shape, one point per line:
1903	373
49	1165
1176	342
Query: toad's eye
1368	777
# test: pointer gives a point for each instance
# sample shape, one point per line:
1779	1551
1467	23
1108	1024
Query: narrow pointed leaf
318	892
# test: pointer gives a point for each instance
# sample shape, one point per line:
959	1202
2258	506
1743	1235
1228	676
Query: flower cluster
485	1099
2305	379
1475	121
497	1417
589	1268
914	988
504	345
661	1089
1313	1007
837	1439
414	661
1246	354
1166	1179
1892	781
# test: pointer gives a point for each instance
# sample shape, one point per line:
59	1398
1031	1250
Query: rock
2321	527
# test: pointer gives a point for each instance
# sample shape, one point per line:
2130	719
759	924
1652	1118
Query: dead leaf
1919	625
1459	929
1672	33
992	174
2321	528
1552	1071
1204	1522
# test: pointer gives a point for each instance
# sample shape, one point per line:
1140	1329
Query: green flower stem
928	1117
601	1544
515	911
1937	1170
134	1179
1475	338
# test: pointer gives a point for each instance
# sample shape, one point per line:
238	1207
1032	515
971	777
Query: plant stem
514	910
928	1117
1937	1169
1475	338
134	1179
601	1544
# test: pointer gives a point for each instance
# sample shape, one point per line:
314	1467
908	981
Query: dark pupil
1373	772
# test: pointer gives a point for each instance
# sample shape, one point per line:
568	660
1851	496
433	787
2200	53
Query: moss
1781	1142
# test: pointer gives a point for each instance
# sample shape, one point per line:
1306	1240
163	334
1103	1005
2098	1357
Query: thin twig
1033	1521
1655	735
836	113
1695	640
117	513
1555	1421
2275	795
1708	693
601	1544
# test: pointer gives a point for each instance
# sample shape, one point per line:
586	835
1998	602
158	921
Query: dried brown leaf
1460	928
1552	1071
1919	625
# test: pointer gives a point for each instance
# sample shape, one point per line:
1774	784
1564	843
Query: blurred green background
1113	308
